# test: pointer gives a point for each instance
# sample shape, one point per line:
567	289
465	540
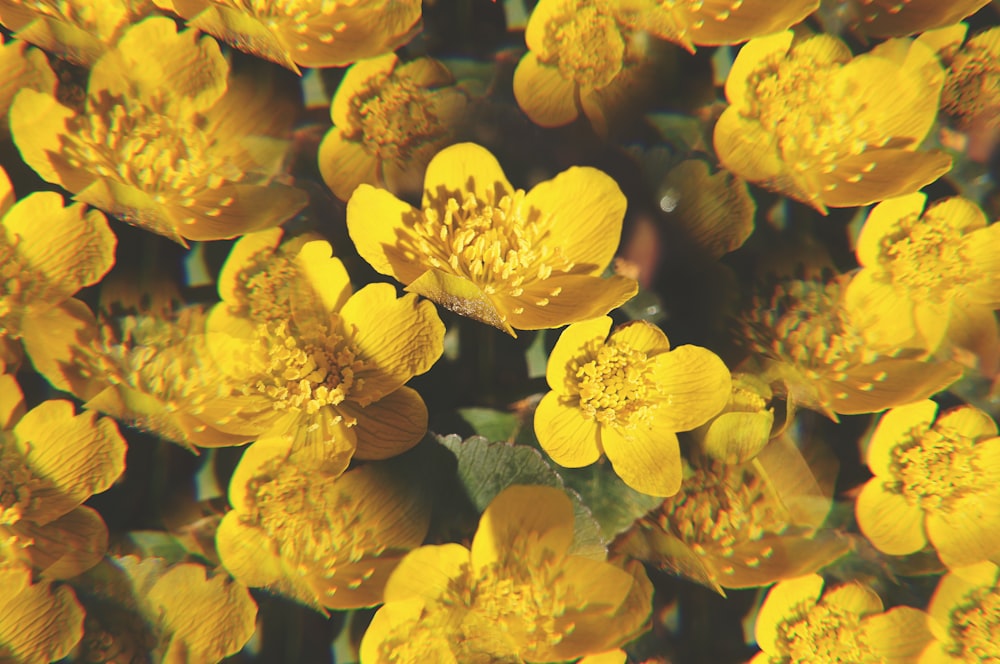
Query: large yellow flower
480	247
161	143
626	395
799	623
322	539
965	613
937	479
923	272
517	595
696	22
306	33
389	119
811	122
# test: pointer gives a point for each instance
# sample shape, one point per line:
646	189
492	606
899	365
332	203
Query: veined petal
390	426
357	584
566	433
694	385
888	521
642	336
39	623
900	634
427	572
246	250
745	149
248	553
344	164
881	173
462	296
567	298
897	427
542	514
325	275
234	26
969	532
648	459
376	221
853	598
68	546
967	421
543	93
236	209
465	168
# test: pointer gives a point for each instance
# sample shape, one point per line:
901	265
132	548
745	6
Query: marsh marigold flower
389	119
517	595
743	427
800	623
480	247
626	396
937	480
965	617
809	121
972	88
322	539
161	143
695	22
925	271
304	33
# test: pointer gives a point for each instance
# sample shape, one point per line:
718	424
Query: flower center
973	84
935	468
975	626
263	288
392	117
927	256
822	634
15	483
615	385
586	44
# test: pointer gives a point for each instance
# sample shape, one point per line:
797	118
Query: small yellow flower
809	121
477	246
39	622
892	18
804	339
799	623
965	613
389	119
325	540
923	270
22	68
695	22
626	395
80	31
304	33
161	143
972	88
516	596
937	479
743	427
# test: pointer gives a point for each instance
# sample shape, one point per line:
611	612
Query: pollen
935	469
14	278
975	626
822	633
586	44
15	485
927	256
616	386
392	117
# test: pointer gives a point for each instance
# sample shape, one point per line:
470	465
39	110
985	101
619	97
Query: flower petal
969	532
578	297
390	426
462	296
648	459
543	93
785	601
577	343
884	220
465	168
694	385
540	514
888	521
377	222
897	427
427	572
566	433
344	164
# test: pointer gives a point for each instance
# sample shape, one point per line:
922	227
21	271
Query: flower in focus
741	526
800	623
161	143
626	395
80	31
895	18
47	253
389	119
937	479
39	622
809	121
477	246
518	595
22	68
965	617
306	33
695	22
325	540
803	338
925	270
972	88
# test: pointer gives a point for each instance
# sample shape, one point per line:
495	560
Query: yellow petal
68	546
53	340
356	585
967	421
357	79
541	515
23	68
566	433
237	27
888	521
881	173
577	343
389	426
11	402
344	164
729	23
248	553
648	459
248	249
853	598
462	296
642	336
37	121
325	278
428	573
752	55
236	209
694	385
39	623
883	220
567	298
969	532
375	220
897	427
745	149
785	601
465	168
898	635
543	93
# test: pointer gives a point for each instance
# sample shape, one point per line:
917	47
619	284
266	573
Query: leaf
491	424
157	544
613	503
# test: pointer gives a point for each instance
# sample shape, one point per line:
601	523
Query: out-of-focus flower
389	119
895	18
937	479
626	396
39	622
741	526
306	33
743	427
23	68
972	88
804	340
477	246
161	143
811	122
965	615
325	540
695	22
924	271
330	373
80	31
516	596
799	623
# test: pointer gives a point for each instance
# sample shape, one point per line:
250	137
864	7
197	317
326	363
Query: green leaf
613	503
485	469
157	544
537	357
491	424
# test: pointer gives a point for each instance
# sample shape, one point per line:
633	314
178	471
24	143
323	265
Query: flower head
972	88
965	613
937	479
161	143
695	22
517	595
626	395
306	33
477	246
389	119
811	122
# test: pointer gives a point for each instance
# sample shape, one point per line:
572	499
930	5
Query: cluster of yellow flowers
314	406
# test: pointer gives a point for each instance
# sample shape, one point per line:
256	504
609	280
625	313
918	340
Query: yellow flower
306	33
161	143
743	427
626	395
937	479
741	526
518	595
811	122
695	22
22	68
330	372
389	119
477	246
803	338
965	613
322	539
923	271
584	56
39	622
892	18
799	623
972	88
80	31
44	264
